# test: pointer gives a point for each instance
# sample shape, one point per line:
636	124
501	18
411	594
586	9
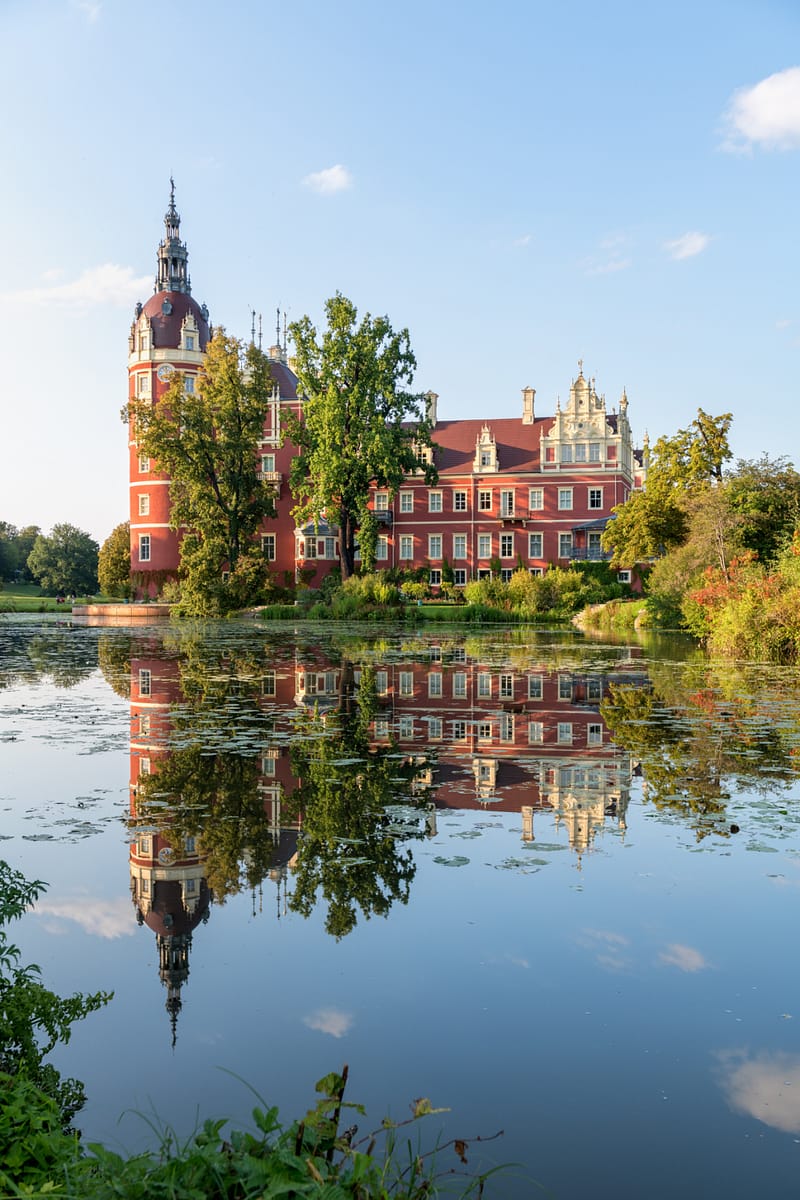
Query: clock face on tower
165	372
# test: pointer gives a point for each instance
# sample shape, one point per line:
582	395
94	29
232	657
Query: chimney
430	407
528	394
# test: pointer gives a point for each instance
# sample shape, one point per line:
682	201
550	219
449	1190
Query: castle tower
169	333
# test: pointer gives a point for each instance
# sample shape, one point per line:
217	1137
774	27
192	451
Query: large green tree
65	561
206	441
361	423
654	521
15	546
114	563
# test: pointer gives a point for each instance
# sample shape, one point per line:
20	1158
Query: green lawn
28	597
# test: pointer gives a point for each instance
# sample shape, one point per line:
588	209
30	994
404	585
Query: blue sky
520	184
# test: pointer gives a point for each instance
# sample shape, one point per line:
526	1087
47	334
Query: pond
550	883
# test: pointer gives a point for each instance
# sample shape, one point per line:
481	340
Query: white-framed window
144	724
485	501
624	576
506	545
459	731
381	682
268	463
434	728
434	502
459	501
434	545
405	727
565	687
268	546
435	684
484	545
191	887
406	683
566	454
594	546
595	497
565	545
435	577
535	732
144	341
459	545
144	547
506	573
580	452
381	501
460	577
460	685
484	731
594	690
435	653
484	573
406	546
188	384
144	464
143	383
536	499
507	503
310	547
565	733
564	499
382	548
189	341
145	846
406	502
144	766
535	687
506	687
145	682
537	572
144	504
534	545
381	727
506	727
594	735
268	683
458	654
484	685
486	458
594	452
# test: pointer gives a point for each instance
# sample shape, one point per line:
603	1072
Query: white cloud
330	180
609	267
95	915
766	1086
91	9
330	1020
685	958
107	284
687	245
767	114
525	240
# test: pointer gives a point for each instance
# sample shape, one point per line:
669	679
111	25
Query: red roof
517	444
167	326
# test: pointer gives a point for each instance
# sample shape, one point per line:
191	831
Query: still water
550	883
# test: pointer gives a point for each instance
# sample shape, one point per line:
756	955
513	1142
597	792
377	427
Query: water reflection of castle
482	735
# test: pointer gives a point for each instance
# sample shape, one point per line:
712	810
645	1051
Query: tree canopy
114	563
361	423
15	546
65	561
206	441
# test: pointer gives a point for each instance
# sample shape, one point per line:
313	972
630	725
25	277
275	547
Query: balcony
514	514
270	476
383	516
590	554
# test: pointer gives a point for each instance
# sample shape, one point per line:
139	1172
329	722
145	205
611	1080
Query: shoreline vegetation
321	1155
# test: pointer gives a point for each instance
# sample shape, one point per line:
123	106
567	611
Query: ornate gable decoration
485	459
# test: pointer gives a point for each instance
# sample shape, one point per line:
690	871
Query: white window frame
406	502
594	735
144	504
145	547
459	577
434	545
459	685
484	685
506	545
538	540
405	683
434	684
535	732
406	547
484	541
434	502
507	502
536	499
381	502
459	545
144	464
506	687
145	681
459	501
485	500
382	548
565	497
435	577
535	687
592	493
565	545
269	545
564	733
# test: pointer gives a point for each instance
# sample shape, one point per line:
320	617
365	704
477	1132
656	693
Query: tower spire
172	273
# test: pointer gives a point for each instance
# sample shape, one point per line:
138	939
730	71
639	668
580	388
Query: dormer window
485	452
190	341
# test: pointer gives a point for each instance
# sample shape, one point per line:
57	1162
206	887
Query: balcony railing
383	516
590	554
269	476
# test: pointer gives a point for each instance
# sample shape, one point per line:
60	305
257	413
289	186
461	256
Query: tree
15	546
765	494
355	427
66	561
206	441
652	522
114	563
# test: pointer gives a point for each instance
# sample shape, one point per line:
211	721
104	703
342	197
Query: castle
523	491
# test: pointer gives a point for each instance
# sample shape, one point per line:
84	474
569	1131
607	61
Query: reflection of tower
168	885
